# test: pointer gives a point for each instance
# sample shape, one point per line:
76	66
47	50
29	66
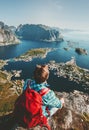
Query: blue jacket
49	100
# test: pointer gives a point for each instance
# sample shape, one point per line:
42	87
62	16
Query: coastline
9	44
71	71
34	53
68	70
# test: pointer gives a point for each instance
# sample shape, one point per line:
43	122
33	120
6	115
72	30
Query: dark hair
41	73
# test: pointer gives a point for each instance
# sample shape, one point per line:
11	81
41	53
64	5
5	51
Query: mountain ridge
38	32
7	35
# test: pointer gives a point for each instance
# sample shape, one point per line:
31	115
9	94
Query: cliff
7	35
73	116
38	33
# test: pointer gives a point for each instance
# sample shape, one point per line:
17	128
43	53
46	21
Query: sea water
71	41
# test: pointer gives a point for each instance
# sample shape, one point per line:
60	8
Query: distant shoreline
71	71
9	44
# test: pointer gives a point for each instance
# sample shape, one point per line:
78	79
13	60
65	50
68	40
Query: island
34	53
81	51
38	33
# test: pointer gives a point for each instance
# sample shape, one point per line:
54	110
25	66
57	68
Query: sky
70	14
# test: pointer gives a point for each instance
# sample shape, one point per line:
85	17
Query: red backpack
28	108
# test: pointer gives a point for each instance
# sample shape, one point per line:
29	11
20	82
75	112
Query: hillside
38	33
73	116
7	35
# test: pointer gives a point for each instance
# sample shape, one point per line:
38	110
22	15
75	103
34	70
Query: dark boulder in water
81	51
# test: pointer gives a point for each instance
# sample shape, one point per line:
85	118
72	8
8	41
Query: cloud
57	3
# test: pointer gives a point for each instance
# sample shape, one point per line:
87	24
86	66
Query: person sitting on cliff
37	102
50	102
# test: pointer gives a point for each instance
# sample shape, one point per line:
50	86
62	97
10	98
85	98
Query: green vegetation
7	98
1	87
80	70
35	52
3	75
7	95
86	117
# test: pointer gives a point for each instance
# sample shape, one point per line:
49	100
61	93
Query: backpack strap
28	83
44	91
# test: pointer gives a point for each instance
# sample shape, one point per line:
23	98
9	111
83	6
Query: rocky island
34	53
38	33
7	36
81	51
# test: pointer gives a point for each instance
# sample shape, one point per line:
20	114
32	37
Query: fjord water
77	39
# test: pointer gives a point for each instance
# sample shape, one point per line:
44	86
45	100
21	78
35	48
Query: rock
66	49
7	36
73	116
66	119
38	33
81	51
71	72
16	127
1	25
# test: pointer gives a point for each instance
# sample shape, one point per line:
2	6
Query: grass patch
3	75
35	52
86	117
1	88
80	70
7	105
7	98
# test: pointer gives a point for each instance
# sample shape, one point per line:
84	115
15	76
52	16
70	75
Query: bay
76	39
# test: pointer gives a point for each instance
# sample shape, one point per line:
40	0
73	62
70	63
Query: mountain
73	116
7	35
38	33
12	28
